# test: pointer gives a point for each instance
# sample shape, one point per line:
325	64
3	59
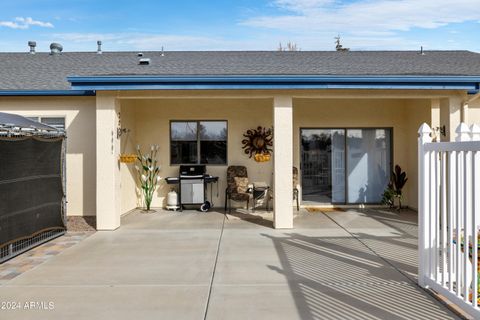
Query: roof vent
421	51
99	47
56	48
32	45
144	61
140	54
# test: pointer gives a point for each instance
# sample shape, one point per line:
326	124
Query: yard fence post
423	201
475	130
463	133
465	166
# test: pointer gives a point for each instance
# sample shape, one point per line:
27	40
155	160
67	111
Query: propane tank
172	200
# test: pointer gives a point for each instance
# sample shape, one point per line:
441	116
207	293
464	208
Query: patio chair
296	186
237	186
296	189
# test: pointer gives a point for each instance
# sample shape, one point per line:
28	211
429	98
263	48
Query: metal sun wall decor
258	143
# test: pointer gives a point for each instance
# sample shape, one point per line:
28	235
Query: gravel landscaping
79	223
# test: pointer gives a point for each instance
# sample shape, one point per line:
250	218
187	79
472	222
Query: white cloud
11	24
171	42
25	23
132	41
366	15
302	5
147	41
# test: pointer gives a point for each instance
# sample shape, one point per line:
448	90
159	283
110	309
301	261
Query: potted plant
388	196
148	173
394	188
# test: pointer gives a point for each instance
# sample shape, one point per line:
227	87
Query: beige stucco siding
403	116
128	145
150	119
418	112
474	112
79	113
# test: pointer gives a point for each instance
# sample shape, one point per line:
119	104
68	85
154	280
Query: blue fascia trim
273	82
46	93
134	86
476	90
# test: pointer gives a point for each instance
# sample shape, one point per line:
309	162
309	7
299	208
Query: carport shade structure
31	184
15	122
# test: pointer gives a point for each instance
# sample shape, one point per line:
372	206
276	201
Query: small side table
260	191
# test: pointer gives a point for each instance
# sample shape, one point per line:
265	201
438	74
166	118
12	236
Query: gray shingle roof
42	71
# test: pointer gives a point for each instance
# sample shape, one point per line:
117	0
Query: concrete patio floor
333	265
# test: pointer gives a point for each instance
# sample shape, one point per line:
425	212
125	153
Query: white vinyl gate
449	215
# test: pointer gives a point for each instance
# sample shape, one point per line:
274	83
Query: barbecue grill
192	180
192	184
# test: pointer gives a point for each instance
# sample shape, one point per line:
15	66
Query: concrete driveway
333	265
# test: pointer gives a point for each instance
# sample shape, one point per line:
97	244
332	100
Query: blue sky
240	25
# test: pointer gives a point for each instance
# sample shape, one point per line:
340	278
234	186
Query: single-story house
344	119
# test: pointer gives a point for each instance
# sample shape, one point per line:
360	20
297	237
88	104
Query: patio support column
464	116
435	115
450	116
108	168
283	161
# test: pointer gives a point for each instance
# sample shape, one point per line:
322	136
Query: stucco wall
148	121
151	120
418	112
79	113
128	145
474	112
394	113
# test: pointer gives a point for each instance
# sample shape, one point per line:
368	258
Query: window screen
183	144
56	122
193	142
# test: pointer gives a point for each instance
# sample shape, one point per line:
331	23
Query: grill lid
192	170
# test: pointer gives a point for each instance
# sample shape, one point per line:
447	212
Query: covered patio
146	118
360	263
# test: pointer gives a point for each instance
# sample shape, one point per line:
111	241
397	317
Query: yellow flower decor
128	158
258	143
259	157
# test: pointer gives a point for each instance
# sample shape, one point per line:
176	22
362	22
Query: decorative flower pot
259	157
128	158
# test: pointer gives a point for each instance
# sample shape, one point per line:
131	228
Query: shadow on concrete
340	277
258	218
399	250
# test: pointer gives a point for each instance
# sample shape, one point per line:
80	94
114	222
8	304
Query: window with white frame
56	122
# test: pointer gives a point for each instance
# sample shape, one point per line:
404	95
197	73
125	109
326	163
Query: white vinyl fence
449	216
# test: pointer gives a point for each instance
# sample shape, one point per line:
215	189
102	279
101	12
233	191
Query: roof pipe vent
144	61
56	48
32	45
99	47
421	51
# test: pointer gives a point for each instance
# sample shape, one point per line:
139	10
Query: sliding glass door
323	165
345	165
368	164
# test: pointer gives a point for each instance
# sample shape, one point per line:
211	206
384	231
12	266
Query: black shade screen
31	192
